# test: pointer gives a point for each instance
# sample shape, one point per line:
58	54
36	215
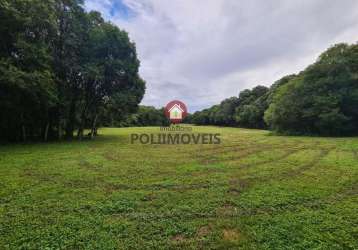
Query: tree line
145	116
62	70
320	100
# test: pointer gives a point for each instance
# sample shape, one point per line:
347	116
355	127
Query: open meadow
252	191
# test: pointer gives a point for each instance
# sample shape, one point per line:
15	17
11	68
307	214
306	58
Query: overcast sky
203	51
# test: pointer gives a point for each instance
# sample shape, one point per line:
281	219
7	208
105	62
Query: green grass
253	191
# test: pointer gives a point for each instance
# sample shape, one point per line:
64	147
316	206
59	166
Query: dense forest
62	70
145	116
320	100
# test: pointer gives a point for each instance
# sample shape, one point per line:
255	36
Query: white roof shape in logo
176	112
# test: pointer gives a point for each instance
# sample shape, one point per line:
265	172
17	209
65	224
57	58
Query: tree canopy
320	100
62	69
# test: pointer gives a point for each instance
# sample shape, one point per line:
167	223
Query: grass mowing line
237	184
243	182
173	187
355	153
257	149
229	210
210	159
348	191
204	158
207	159
162	197
100	182
247	212
250	165
297	171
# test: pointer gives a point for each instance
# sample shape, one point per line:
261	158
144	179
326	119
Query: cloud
203	51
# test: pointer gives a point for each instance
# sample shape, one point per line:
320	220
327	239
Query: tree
27	88
68	51
322	99
110	70
146	116
61	69
251	107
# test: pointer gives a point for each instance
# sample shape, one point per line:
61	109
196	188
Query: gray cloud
203	51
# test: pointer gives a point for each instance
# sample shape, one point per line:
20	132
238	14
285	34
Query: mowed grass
253	191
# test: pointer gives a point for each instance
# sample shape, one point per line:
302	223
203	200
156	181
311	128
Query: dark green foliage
27	87
119	109
146	116
245	111
322	99
222	114
251	108
62	69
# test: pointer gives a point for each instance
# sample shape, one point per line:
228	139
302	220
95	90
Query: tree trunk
71	120
80	132
82	122
59	130
46	131
23	129
94	130
81	127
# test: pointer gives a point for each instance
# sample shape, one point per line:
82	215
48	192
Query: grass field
253	191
